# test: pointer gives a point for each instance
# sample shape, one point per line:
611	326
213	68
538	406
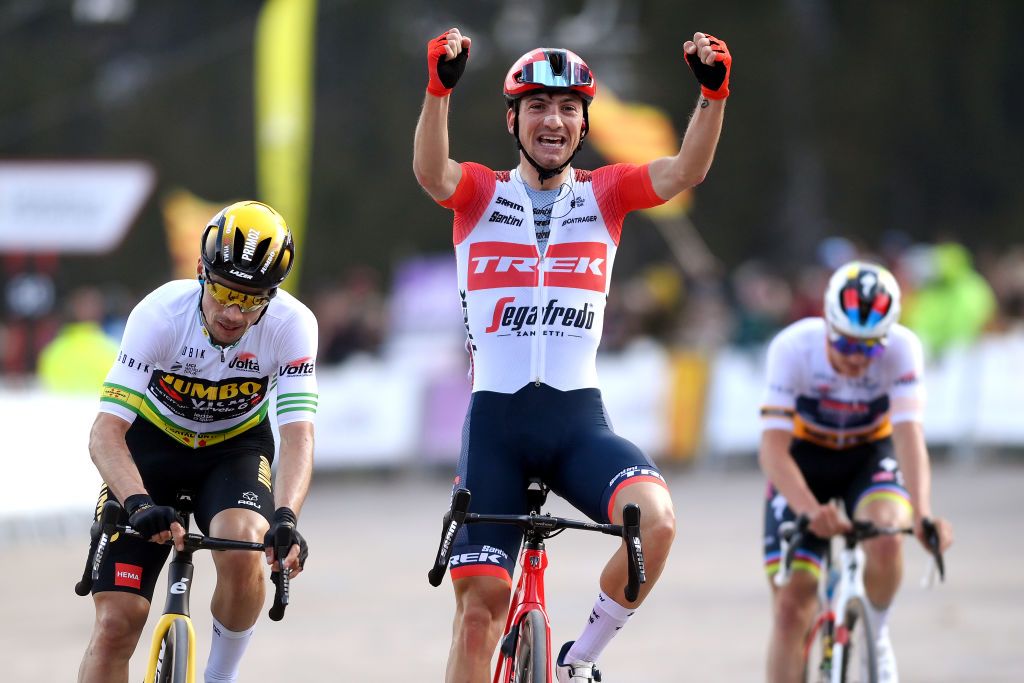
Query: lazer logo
576	265
129	575
515	318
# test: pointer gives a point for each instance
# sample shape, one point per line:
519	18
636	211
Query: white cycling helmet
862	300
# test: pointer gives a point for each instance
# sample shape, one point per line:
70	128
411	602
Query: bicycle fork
179	586
528	596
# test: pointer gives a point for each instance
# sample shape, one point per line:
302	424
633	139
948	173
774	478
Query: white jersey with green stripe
171	373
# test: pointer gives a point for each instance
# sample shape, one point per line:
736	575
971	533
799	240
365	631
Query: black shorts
855	475
231	474
560	437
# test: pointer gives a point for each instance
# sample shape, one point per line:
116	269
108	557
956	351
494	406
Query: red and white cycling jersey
199	394
806	396
533	318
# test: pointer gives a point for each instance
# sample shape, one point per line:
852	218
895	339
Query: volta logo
300	367
129	575
576	265
245	361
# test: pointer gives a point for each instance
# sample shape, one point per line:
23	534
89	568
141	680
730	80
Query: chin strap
547	173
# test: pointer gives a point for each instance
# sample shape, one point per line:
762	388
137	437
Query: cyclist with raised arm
842	418
184	408
534	248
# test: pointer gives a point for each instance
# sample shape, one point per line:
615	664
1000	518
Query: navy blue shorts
561	437
855	475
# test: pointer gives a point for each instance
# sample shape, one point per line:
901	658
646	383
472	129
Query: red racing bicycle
525	649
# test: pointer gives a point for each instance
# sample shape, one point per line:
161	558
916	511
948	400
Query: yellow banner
285	38
635	133
185	218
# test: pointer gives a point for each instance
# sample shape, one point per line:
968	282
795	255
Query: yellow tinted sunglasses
225	296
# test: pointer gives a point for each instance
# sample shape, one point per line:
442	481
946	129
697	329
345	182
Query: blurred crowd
67	340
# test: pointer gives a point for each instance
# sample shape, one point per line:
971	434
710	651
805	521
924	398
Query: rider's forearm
295	465
112	459
782	471
912	455
672	175
430	159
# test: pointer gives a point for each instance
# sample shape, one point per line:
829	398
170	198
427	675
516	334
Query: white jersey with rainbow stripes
806	396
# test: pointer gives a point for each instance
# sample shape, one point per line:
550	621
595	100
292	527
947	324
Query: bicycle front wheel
855	656
530	664
172	666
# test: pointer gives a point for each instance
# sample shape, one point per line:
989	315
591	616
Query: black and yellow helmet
248	243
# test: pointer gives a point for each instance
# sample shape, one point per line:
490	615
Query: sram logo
577	265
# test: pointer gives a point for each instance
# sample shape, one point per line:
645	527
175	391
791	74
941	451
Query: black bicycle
172	651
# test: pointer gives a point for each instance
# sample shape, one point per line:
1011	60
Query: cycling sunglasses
225	296
540	73
849	346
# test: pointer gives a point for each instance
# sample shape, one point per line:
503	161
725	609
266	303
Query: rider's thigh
120	618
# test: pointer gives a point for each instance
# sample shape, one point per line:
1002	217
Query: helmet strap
547	173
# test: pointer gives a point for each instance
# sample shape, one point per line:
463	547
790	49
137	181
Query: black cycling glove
148	518
284	535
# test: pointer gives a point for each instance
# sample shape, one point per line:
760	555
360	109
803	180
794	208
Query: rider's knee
659	533
884	550
794	608
118	627
240	566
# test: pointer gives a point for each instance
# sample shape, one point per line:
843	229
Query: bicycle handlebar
106	525
459	514
791	534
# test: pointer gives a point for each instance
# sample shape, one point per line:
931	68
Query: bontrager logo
576	265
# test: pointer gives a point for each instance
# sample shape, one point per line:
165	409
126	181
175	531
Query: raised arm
711	63
446	59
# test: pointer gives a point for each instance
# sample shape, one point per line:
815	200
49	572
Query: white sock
877	618
226	652
605	620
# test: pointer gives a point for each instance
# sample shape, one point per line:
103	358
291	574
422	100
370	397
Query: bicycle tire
817	667
173	664
530	662
854	666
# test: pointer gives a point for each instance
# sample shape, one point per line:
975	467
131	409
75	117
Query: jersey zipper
536	341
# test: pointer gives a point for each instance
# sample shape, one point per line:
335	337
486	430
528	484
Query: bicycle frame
179	587
528	596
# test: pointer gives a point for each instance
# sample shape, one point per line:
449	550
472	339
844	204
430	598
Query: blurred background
892	131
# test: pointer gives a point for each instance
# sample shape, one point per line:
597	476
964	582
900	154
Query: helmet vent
557	60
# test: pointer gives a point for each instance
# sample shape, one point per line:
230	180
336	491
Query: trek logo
513	318
487	555
245	361
301	367
128	575
576	265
